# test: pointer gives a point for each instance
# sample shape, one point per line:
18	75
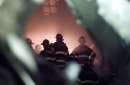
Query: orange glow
41	26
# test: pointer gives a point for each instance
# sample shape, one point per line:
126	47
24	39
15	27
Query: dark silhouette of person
61	52
88	76
83	53
47	52
85	56
29	42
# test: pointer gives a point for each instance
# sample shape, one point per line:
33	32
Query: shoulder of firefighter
61	49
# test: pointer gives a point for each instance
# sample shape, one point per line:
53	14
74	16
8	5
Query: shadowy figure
61	52
85	56
60	48
47	52
30	43
83	52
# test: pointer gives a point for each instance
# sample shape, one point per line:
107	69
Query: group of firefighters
57	54
59	51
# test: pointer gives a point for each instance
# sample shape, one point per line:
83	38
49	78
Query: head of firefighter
82	40
59	38
45	44
47	52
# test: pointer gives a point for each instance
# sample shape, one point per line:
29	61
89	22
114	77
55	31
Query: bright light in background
71	42
41	26
70	37
46	27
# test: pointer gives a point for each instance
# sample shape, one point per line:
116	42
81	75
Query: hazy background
42	25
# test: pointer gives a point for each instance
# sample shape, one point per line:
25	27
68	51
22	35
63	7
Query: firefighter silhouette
85	56
47	52
29	42
83	53
61	52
